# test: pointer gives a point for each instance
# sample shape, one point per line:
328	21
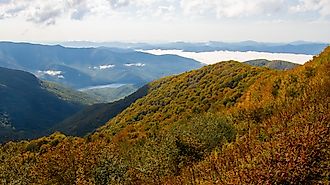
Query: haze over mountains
64	67
30	107
84	67
213	52
298	47
91	69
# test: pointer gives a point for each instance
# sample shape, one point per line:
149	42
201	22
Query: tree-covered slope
177	98
28	107
282	125
69	94
94	116
111	94
228	123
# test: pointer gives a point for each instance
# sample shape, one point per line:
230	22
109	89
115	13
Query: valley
229	123
70	77
83	67
113	86
165	92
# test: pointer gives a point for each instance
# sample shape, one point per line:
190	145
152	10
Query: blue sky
165	20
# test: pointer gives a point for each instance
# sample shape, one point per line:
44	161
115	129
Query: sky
165	20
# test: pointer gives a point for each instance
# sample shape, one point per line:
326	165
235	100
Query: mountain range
85	67
94	116
227	123
298	47
64	109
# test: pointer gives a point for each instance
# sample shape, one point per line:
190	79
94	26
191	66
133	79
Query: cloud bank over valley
218	56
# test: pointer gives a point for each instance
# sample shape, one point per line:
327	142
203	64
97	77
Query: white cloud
54	73
102	67
4	1
233	8
107	66
218	56
47	12
118	3
322	7
135	65
244	8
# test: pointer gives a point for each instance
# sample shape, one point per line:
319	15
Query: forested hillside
111	94
228	123
69	94
94	116
173	99
27	108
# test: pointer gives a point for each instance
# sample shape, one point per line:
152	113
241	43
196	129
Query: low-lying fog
217	56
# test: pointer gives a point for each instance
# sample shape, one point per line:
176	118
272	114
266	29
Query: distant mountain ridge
83	67
298	47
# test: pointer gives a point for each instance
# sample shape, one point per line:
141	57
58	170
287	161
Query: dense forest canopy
228	123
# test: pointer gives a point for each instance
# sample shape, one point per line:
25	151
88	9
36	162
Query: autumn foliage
227	123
